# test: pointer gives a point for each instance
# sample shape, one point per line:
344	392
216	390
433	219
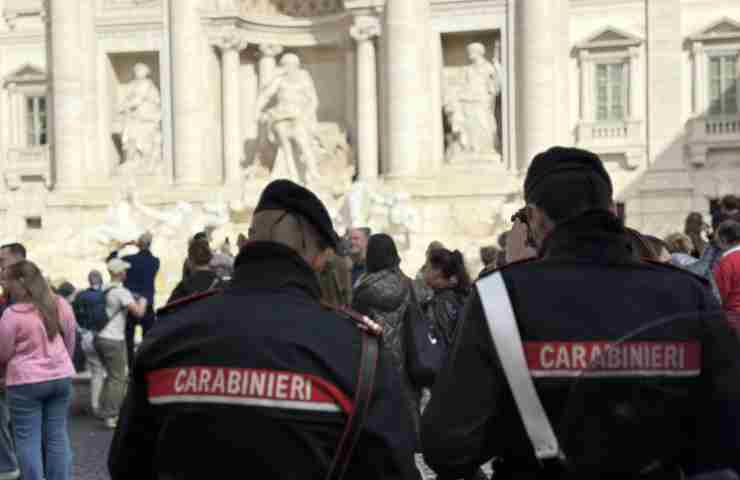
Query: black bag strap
414	300
361	406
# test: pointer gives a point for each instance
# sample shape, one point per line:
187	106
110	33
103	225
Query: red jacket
727	276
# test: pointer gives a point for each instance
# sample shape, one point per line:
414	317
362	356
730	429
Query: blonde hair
39	294
678	243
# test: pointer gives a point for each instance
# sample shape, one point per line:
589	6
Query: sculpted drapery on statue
141	121
470	107
291	122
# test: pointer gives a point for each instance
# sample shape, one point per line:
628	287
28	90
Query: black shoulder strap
361	407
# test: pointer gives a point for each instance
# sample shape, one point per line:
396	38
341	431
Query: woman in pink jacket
37	340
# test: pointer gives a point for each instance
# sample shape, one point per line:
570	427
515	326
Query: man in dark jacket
260	378
615	414
140	281
201	276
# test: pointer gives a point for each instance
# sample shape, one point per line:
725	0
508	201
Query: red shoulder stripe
187	300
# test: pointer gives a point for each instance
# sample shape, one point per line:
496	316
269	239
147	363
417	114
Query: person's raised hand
517	248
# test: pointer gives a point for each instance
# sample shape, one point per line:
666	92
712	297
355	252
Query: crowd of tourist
47	332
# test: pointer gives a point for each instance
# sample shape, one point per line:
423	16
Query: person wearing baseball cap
264	372
526	381
110	341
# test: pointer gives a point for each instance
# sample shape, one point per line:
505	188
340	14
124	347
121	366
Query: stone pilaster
188	105
364	32
64	31
231	41
699	83
664	80
268	62
542	63
405	34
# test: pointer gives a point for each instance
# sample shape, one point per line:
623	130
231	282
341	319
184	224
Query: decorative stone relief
229	38
139	123
293	8
362	31
293	144
382	209
470	107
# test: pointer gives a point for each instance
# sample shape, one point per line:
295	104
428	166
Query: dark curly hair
451	264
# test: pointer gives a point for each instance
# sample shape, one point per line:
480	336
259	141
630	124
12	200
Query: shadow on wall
699	164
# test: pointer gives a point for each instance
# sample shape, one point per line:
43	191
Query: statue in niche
470	107
140	116
291	123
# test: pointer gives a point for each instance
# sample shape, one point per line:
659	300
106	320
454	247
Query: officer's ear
540	224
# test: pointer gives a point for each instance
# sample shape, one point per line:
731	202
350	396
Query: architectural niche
715	122
292	8
610	119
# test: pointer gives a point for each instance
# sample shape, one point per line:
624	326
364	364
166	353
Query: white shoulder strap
508	341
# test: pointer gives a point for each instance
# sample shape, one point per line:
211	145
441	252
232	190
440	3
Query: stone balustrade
627	132
623	138
711	132
27	162
722	126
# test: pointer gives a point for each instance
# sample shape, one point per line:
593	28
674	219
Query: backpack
89	309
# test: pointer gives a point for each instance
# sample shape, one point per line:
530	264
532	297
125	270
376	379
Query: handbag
426	349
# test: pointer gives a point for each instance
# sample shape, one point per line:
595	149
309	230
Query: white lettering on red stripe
263	388
601	358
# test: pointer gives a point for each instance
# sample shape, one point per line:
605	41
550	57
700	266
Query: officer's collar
270	265
595	235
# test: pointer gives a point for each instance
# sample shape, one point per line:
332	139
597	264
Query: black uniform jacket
255	382
667	398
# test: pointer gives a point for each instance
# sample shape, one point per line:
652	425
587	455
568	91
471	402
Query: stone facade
123	115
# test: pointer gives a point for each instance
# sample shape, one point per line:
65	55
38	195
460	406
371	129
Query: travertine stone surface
381	113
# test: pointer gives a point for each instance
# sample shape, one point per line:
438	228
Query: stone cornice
327	30
711	33
600	39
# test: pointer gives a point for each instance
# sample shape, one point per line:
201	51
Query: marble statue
470	108
292	122
141	120
119	225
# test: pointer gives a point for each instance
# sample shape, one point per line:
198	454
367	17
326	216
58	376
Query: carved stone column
64	40
364	31
268	62
188	105
231	41
542	95
405	34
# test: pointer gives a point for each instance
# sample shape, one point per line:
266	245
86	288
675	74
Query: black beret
291	197
563	161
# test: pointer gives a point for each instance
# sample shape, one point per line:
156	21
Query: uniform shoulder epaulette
363	322
173	306
674	268
491	270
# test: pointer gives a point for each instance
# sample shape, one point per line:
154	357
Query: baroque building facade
415	117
